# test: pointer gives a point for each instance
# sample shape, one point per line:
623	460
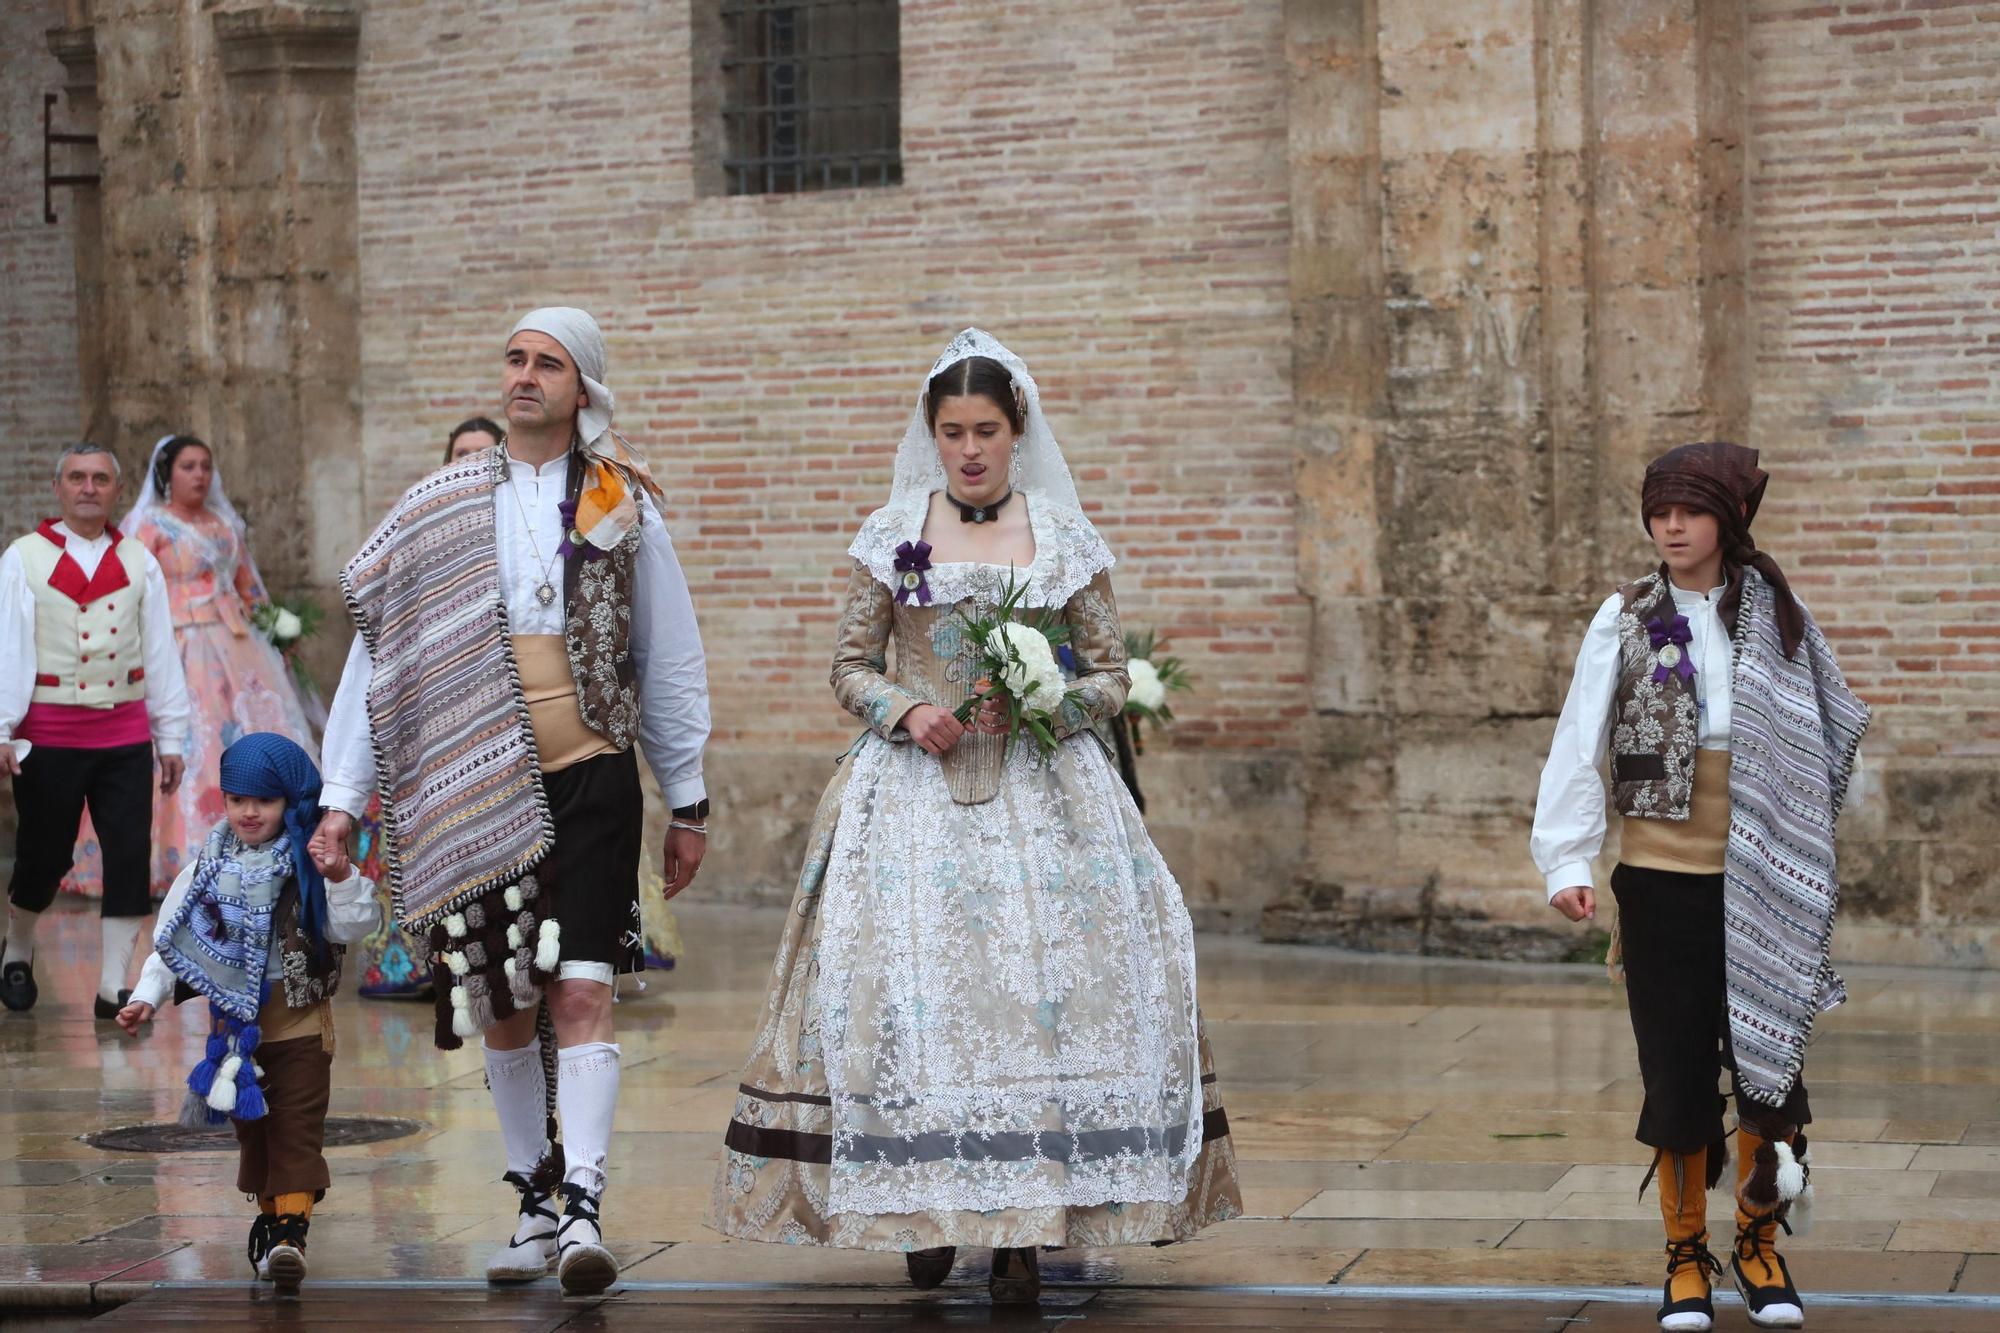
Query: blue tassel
202	1077
249	1097
247	1040
218	1047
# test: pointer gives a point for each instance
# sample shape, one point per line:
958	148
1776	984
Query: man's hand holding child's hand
332	862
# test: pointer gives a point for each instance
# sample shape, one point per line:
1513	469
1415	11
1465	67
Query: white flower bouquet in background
287	624
1015	660
1154	677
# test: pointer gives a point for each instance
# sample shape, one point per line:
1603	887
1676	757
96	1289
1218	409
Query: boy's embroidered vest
1655	725
307	979
87	632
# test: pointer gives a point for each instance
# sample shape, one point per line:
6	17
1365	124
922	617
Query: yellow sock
300	1203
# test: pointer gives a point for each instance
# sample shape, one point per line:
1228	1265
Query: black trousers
1671	928
54	786
592	872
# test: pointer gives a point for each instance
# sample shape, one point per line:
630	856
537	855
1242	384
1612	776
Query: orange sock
300	1203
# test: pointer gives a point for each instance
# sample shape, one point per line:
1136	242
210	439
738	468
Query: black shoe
17	986
1016	1277
107	1010
287	1254
928	1268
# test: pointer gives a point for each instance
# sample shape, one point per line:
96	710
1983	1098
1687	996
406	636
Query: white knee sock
586	1097
21	935
119	933
520	1096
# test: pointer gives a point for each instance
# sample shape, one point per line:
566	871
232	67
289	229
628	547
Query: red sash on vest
68	578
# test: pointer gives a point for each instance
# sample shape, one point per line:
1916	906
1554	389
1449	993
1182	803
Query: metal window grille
812	93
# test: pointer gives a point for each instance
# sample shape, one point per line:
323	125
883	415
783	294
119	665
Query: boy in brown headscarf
1712	690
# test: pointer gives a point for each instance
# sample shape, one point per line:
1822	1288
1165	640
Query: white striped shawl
463	808
1794	731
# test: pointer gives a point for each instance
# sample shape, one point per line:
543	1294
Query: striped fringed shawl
1794	729
462	799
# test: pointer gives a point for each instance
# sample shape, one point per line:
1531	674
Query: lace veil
152	502
1038	462
1068	549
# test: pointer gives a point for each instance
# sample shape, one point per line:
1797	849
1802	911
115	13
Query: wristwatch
697	811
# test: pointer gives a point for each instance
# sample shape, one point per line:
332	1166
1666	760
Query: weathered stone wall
1875	167
1358	321
1536	242
39	389
1101	186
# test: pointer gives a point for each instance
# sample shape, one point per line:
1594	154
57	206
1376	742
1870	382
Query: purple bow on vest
1671	643
572	539
913	561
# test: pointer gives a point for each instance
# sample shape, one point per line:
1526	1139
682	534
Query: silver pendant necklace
545	593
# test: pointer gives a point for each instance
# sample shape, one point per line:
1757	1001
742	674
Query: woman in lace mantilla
982	1028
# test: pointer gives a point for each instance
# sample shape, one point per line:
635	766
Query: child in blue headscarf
256	926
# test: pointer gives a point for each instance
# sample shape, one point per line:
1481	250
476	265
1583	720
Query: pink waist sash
75	727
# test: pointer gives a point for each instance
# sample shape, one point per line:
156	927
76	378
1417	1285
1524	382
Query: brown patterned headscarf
1724	480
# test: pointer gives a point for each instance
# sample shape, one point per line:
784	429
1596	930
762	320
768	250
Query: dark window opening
811	95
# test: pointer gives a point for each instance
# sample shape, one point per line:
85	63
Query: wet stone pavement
1417	1139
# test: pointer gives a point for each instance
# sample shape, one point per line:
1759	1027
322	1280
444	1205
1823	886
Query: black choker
979	513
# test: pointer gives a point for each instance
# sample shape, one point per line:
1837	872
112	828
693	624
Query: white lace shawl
1068	554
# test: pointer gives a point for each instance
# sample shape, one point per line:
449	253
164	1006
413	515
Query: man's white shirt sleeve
167	709
672	671
347	749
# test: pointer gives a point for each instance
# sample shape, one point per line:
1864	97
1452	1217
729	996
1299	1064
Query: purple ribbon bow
913	561
568	549
1679	636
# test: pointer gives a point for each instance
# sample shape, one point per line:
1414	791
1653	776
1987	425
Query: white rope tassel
1791	1176
461	1017
548	947
1801	1212
222	1092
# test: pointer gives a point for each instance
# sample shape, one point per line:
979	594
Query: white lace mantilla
1068	554
1007	992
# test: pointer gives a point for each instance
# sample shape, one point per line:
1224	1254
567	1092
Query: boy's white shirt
352	913
1570	817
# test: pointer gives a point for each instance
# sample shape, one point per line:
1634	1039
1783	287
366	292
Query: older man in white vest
91	690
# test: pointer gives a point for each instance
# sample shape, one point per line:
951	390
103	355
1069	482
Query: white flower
1031	673
285	626
1147	691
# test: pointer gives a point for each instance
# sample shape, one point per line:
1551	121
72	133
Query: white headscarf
584	341
1038	460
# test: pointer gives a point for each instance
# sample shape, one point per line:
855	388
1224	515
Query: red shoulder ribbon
68	578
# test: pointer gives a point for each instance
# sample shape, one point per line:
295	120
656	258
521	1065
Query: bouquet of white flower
1153	676
286	624
1016	662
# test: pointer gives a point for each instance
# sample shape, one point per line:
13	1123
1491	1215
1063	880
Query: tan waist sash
1692	846
549	686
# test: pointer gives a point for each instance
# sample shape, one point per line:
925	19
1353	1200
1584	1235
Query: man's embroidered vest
597	632
88	648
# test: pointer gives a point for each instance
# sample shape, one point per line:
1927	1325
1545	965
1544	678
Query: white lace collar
1068	554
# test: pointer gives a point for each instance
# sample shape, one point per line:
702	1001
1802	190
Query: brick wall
1101	186
1875	251
38	364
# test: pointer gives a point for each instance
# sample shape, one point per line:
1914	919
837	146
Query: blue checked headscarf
268	766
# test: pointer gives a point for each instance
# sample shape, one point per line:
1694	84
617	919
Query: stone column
286	310
75	45
1517	273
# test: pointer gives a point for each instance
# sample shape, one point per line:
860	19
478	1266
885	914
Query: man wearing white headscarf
523	622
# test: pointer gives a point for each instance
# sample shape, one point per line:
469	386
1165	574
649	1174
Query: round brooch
1670	656
912	581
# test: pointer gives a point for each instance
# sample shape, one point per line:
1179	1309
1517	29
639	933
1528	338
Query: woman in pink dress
237	682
